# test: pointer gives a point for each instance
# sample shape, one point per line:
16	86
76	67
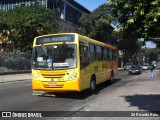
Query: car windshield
128	64
145	65
60	56
134	66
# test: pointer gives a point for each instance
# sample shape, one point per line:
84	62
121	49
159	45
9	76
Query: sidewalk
138	95
15	77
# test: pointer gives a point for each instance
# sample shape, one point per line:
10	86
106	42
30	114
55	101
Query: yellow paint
73	79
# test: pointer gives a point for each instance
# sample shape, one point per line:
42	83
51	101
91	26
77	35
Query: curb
13	81
16	72
120	69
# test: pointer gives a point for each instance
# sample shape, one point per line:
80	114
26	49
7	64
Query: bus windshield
49	57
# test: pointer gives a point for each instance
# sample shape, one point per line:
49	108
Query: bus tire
92	85
111	78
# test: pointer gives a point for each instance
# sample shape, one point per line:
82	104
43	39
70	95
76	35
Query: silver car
128	65
145	67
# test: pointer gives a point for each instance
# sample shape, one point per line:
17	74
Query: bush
15	61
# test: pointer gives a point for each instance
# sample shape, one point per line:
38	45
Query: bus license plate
52	84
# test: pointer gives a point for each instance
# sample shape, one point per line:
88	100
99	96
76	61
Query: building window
4	8
37	3
42	2
22	4
71	15
14	6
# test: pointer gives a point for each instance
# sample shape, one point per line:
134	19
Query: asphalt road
17	96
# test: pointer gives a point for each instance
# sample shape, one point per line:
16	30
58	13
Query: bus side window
109	54
92	55
98	53
81	47
114	55
84	55
104	54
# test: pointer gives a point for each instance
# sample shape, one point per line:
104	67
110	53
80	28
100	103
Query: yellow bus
71	62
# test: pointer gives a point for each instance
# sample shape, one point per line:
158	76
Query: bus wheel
92	85
111	78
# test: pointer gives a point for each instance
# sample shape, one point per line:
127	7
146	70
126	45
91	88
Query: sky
93	4
150	45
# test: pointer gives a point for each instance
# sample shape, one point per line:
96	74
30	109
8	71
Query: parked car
145	67
135	69
127	65
154	63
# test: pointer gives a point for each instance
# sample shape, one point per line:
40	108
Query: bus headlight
73	76
36	75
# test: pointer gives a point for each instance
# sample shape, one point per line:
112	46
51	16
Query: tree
97	24
23	24
141	18
136	19
130	46
150	54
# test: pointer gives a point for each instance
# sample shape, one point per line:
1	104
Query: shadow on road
84	94
104	85
145	102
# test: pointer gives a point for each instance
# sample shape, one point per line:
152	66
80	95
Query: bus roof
97	42
82	36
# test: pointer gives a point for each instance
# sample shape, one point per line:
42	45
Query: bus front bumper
66	86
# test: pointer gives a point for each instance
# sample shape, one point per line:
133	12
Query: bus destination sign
57	38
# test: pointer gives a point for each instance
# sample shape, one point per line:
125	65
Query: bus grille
57	86
53	74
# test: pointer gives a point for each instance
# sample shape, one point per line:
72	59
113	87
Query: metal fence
15	62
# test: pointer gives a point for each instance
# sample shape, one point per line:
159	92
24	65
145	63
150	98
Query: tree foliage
141	18
97	24
21	25
151	54
136	19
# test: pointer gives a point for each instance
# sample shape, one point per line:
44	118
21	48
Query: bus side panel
108	70
115	67
85	77
104	71
98	72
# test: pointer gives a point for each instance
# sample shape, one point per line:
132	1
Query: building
68	12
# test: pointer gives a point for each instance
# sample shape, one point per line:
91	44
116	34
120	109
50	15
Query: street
126	93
